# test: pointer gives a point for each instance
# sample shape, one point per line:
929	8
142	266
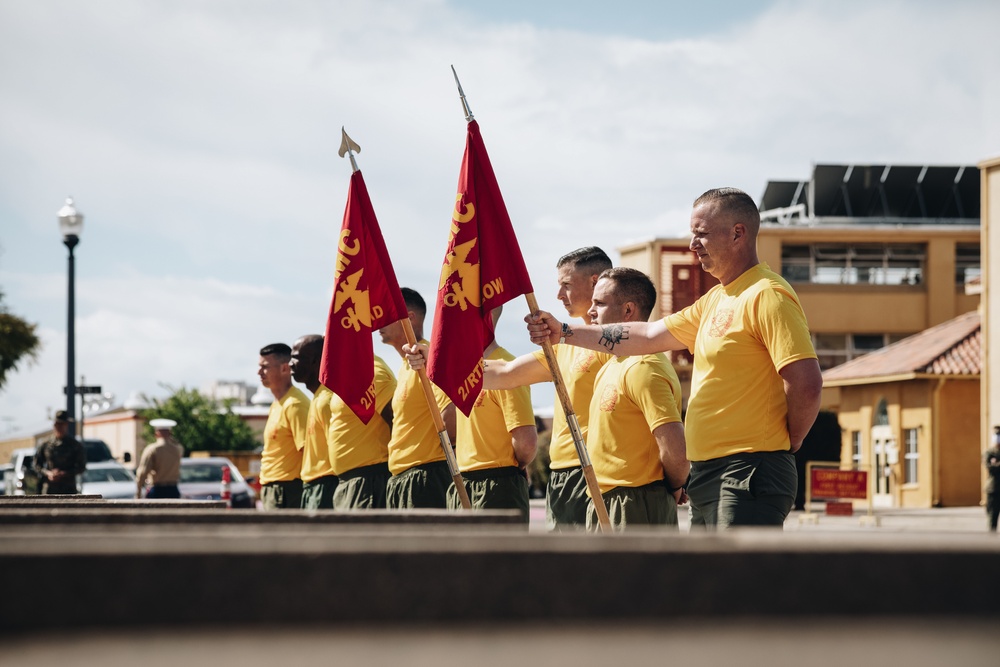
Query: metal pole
71	242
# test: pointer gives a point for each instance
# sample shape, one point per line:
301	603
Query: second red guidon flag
483	269
366	297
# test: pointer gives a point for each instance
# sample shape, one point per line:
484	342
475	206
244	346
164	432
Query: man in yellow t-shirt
566	491
359	452
420	475
318	479
636	439
284	432
756	383
495	443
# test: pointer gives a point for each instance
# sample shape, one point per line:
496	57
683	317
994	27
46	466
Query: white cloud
200	139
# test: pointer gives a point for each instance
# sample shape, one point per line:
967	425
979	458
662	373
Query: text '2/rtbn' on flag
483	269
366	297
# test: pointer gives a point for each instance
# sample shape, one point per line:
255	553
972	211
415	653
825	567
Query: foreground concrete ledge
285	576
48	500
195	512
91	505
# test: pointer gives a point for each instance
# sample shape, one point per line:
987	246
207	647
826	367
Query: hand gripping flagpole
557	379
347	146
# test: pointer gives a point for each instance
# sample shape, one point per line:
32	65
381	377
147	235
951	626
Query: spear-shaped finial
348	146
465	103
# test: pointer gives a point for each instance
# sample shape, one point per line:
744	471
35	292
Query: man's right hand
542	327
416	355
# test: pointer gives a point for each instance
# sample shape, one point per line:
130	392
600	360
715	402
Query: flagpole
348	147
574	426
449	452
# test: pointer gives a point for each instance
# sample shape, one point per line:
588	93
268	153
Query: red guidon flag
483	269
366	297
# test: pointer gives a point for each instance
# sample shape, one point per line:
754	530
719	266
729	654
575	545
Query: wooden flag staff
348	147
550	356
574	426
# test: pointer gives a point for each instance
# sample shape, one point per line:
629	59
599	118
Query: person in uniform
160	463
566	496
992	461
359	452
636	438
420	475
284	432
60	459
318	479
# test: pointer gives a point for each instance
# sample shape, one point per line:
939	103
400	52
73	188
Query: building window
854	263
967	263
835	349
911	457
856	449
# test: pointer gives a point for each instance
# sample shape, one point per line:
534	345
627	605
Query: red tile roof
950	348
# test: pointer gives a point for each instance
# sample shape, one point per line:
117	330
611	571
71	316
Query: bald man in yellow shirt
284	432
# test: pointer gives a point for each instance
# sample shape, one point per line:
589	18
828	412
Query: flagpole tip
461	93
348	147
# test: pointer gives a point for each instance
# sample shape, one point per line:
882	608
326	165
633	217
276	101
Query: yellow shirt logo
721	321
609	399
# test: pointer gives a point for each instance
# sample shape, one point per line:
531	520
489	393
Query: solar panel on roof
827	182
900	188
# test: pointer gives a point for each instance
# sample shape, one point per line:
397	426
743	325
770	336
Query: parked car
6	473
201	479
108	479
23	480
97	450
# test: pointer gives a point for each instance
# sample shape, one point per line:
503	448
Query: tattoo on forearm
613	334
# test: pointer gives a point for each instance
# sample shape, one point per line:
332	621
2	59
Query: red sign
832	483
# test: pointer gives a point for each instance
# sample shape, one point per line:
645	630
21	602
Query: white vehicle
108	479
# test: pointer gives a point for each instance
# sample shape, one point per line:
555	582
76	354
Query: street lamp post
70	224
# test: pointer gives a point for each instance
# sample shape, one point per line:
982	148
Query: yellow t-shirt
483	438
579	368
632	397
352	443
414	438
284	438
315	455
741	335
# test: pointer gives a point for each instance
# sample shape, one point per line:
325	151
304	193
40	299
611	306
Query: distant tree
18	340
203	425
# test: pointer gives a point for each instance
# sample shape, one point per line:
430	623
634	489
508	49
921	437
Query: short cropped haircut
414	301
590	259
632	285
280	351
733	202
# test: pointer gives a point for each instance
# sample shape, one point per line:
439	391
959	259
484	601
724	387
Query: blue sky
200	139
